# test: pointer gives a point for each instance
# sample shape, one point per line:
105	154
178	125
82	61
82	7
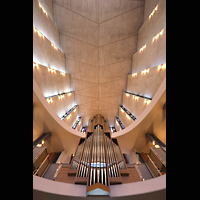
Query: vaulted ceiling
99	38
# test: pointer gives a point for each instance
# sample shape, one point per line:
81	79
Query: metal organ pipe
93	160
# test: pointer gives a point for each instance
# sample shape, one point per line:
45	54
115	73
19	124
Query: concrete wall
44	23
98	39
46	56
153	55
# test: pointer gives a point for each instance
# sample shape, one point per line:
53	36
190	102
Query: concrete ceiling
99	38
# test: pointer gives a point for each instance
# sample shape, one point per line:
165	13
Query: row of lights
152	13
158	35
146	101
41	35
44	11
128	114
77	122
145	71
68	114
118	122
153	39
60	96
144	47
36	65
38	32
162	66
53	45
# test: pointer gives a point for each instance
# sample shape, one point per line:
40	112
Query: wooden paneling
64	177
133	176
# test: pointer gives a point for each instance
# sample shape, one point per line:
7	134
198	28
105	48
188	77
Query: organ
98	161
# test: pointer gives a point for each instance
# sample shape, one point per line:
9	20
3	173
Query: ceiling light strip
127	93
67	114
59	95
44	37
129	114
76	123
120	123
51	70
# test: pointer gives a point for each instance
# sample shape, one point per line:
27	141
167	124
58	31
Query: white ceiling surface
99	38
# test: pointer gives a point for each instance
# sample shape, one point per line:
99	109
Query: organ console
98	161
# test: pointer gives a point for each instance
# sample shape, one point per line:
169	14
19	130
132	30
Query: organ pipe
97	158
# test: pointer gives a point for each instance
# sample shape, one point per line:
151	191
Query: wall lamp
68	113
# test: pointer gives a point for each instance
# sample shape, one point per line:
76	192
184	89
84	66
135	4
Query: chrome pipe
102	175
97	175
91	176
105	176
94	176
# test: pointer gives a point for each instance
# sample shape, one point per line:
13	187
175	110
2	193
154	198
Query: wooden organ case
98	161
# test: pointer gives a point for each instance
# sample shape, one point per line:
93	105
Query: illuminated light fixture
75	110
62	73
135	97
38	32
128	114
128	117
67	114
157	146
44	11
152	13
122	110
51	70
61	96
127	95
134	74
144	47
38	145
69	94
146	101
120	123
158	35
77	122
53	45
144	71
163	66
153	142
35	65
49	100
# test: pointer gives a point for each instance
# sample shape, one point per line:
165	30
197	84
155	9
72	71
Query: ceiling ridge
79	61
78	39
76	13
111	81
116	62
98	13
121	14
86	81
